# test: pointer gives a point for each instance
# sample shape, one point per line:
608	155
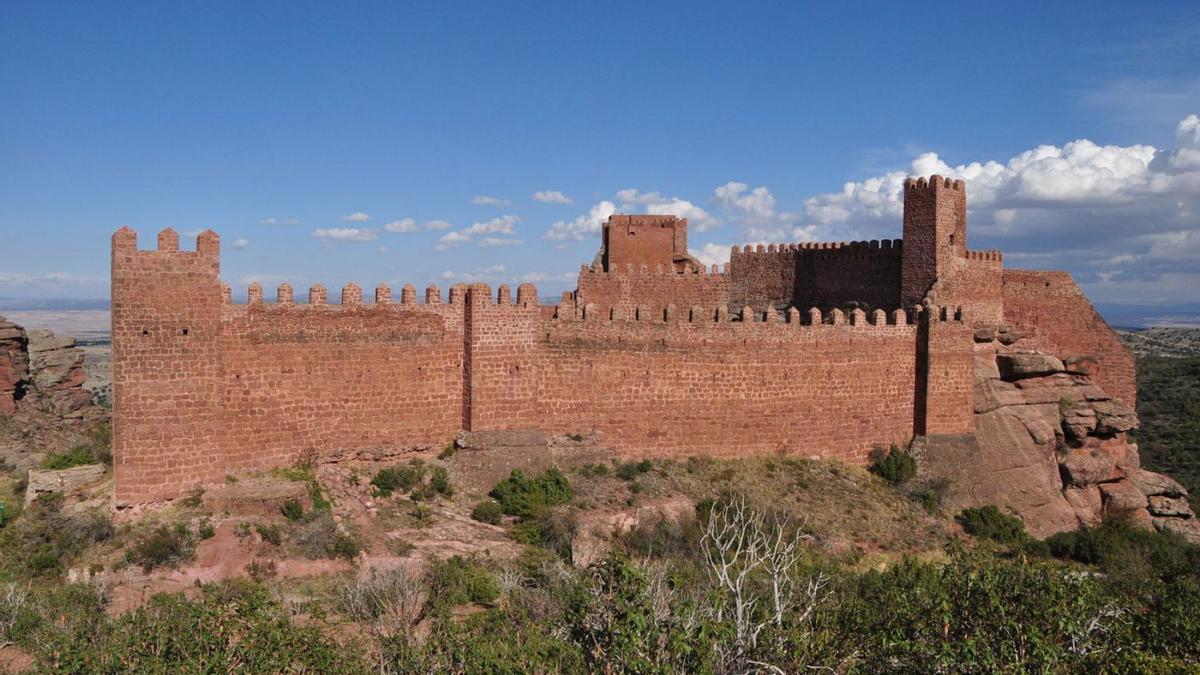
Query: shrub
398	478
988	522
591	470
930	493
552	530
393	594
45	539
262	570
206	530
631	470
457	581
488	511
439	482
161	547
523	497
894	465
320	537
292	510
448	451
272	534
79	455
1129	552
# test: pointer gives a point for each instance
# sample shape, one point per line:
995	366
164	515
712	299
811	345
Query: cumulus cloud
586	225
488	200
711	254
499	225
279	221
551	197
654	203
630	200
344	234
402	226
241	243
437	225
356	217
755	210
1110	214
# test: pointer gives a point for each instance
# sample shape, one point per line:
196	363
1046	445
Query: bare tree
12	599
740	544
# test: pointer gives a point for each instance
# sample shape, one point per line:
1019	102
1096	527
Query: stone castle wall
813	349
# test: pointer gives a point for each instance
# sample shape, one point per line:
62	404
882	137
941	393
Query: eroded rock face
1052	446
14	364
57	371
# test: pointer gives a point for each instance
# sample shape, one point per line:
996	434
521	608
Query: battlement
935	183
656	353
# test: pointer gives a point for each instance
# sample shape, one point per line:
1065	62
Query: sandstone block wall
1063	322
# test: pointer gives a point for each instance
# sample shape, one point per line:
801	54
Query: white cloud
551	197
279	221
409	225
488	242
344	234
402	226
758	202
356	217
549	277
755	210
654	203
47	280
487	200
498	225
477	275
1120	218
241	243
711	254
586	225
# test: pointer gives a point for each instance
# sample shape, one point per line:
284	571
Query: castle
814	349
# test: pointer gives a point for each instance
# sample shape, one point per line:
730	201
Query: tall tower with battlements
935	231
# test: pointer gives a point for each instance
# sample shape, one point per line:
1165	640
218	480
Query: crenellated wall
875	345
828	274
1054	309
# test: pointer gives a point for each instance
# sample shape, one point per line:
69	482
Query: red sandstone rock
1087	504
14	364
1188	528
1123	500
1170	506
1014	365
1113	417
1151	484
57	368
1084	466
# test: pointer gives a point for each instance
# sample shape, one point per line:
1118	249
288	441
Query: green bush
162	546
1129	553
631	470
235	626
79	455
439	482
448	451
399	478
292	510
488	511
988	522
457	581
894	465
549	529
524	497
272	534
592	470
45	540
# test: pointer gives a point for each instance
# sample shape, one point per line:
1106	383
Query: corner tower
167	369
935	231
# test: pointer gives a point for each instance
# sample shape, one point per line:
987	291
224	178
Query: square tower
935	231
644	240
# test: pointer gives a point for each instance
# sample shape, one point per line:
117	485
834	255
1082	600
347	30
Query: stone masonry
815	349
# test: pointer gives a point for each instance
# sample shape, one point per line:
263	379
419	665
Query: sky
403	142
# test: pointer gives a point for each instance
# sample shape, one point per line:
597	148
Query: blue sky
356	142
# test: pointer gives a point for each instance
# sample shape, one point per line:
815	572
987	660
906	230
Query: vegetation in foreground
1169	409
730	589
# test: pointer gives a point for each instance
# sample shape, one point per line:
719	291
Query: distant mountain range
1119	316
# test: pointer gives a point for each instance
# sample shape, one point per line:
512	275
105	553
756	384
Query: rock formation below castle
40	368
1052	446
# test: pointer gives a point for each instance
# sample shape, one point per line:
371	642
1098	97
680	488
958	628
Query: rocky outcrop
44	481
1052	446
57	371
40	367
14	364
